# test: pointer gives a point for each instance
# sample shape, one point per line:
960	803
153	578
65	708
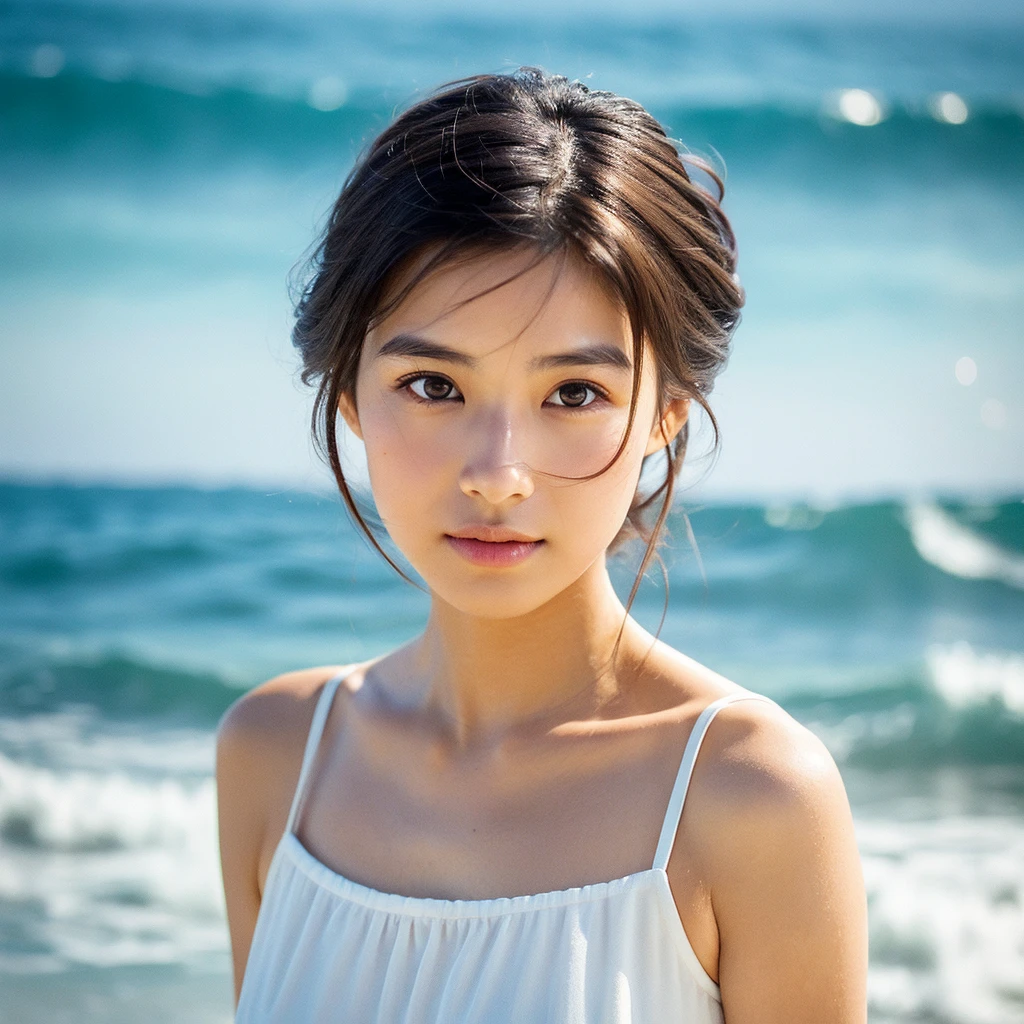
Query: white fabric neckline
433	908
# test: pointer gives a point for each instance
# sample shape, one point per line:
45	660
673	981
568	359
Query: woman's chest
406	816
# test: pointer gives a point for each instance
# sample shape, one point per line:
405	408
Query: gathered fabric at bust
327	949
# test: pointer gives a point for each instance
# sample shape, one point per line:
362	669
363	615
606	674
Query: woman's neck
483	678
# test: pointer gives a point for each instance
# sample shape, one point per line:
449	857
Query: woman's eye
574	395
433	389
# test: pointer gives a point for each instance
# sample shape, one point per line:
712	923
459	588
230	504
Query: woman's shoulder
766	772
758	768
261	739
262	736
755	745
274	716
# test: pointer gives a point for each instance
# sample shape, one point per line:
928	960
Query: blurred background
167	538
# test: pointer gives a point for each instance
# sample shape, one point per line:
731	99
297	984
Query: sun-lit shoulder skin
778	854
260	742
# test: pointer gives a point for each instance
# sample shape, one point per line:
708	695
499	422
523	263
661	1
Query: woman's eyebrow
413	346
602	354
420	348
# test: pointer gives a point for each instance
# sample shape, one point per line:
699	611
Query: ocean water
130	619
165	164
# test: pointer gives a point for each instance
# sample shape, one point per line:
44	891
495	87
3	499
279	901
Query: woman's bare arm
260	742
241	826
787	886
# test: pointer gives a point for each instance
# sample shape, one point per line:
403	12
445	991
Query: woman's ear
671	421
347	408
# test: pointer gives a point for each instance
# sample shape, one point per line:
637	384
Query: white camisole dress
327	949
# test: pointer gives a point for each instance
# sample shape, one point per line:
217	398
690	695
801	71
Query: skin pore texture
505	751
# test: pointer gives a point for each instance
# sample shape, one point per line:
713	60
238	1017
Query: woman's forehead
490	300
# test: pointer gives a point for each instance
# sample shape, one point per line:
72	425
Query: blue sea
166	541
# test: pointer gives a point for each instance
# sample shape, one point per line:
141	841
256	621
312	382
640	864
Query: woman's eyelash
404	383
599	394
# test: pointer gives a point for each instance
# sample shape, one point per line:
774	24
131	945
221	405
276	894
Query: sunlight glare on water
328	93
966	371
949	107
47	61
858	106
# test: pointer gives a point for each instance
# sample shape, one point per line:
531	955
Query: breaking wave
954	548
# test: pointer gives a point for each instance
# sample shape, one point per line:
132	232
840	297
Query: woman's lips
498	554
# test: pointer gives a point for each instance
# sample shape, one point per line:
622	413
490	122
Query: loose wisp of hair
536	162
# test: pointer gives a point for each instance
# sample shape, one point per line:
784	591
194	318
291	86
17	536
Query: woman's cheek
405	461
393	430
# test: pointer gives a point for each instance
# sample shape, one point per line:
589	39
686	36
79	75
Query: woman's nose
493	469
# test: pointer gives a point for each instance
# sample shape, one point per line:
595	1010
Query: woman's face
472	415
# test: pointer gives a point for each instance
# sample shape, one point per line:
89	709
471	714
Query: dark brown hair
535	161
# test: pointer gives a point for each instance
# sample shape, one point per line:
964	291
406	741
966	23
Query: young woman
519	294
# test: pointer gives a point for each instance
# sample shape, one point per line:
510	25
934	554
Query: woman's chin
495	598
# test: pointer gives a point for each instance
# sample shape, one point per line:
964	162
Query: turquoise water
130	618
164	166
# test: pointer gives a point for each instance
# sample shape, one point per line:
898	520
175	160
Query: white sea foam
885	728
947	928
954	548
964	677
110	868
79	738
85	810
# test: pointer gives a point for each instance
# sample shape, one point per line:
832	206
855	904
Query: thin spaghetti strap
682	784
316	729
